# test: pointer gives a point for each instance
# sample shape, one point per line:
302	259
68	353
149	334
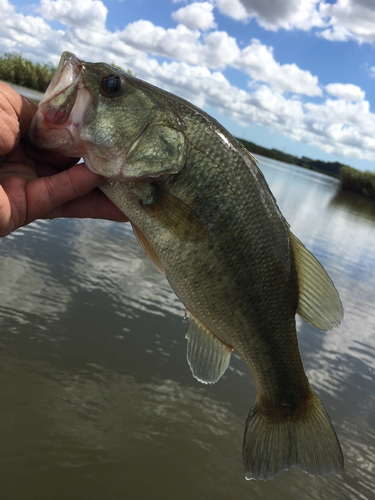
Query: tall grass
357	181
14	68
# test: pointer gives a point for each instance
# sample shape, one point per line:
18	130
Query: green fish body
204	215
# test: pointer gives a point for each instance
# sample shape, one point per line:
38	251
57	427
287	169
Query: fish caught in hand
204	215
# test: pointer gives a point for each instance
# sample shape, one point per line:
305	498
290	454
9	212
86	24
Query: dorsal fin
319	303
208	356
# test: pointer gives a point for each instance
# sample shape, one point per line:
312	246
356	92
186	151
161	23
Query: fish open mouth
61	94
62	114
61	111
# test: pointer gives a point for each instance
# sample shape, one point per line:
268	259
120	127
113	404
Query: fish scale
203	213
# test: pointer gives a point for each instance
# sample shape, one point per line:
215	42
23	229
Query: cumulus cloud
340	21
6	8
349	19
217	50
18	31
275	14
194	69
342	127
258	61
233	8
196	16
346	91
178	43
89	13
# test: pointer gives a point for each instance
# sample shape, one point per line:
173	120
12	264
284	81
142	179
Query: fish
204	215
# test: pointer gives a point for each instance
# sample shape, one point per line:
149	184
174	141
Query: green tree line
14	68
351	179
329	168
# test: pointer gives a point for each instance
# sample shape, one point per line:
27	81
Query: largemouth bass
204	215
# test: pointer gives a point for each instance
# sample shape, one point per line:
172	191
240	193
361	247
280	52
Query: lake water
96	398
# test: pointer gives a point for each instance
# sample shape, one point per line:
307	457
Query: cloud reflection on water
111	406
30	289
111	259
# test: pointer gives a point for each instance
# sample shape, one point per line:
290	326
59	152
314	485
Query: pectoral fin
319	303
148	249
208	356
175	215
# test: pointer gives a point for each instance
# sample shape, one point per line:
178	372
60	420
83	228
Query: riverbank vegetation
328	168
351	179
14	68
357	181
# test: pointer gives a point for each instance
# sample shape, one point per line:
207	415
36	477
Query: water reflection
97	400
119	265
104	433
97	430
355	205
30	280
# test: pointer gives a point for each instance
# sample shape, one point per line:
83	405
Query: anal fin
207	355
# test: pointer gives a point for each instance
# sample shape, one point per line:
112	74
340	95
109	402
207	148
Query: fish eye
110	85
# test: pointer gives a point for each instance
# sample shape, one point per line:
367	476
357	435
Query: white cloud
18	31
6	8
275	14
89	13
342	125
349	19
258	61
346	91
233	8
196	16
339	21
220	50
177	43
217	50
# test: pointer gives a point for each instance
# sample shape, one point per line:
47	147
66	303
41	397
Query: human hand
37	184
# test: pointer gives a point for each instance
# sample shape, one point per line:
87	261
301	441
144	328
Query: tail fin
274	442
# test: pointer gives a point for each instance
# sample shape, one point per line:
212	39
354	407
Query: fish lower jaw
45	135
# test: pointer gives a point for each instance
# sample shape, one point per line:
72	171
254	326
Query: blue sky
296	75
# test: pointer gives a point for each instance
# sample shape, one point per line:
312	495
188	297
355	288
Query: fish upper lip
69	66
61	95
